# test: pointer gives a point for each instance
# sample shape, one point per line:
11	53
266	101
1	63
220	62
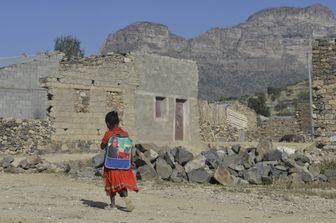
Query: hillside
268	49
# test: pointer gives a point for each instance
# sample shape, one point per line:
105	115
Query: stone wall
324	92
84	90
21	95
225	122
274	129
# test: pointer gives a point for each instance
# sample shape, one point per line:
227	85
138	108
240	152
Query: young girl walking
116	180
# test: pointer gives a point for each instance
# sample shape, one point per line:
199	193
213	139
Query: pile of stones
31	164
228	166
23	136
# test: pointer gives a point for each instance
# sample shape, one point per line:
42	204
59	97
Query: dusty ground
56	198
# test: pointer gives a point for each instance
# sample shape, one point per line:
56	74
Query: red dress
117	180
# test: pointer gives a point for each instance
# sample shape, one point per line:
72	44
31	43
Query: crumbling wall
24	136
84	90
225	122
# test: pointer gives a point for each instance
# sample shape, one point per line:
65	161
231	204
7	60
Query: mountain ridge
268	49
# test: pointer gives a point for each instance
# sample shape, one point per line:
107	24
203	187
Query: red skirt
117	180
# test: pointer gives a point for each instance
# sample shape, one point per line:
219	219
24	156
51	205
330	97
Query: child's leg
128	202
112	197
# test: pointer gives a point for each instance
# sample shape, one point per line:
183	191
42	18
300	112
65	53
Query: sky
31	26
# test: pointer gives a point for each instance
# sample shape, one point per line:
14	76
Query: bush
69	45
258	104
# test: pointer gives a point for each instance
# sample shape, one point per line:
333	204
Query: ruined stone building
324	92
156	98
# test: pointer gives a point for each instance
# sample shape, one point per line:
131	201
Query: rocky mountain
268	49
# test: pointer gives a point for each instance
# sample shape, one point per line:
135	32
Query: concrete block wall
172	79
21	95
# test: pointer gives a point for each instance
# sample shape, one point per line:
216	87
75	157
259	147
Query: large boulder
212	158
197	163
253	176
200	175
146	172
163	169
223	176
7	161
151	154
183	156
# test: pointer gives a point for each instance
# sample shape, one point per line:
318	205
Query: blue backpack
118	154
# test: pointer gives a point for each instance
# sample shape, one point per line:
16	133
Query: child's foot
129	204
110	207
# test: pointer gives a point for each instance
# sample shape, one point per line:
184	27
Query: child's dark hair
112	119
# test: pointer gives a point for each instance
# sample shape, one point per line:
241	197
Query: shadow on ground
100	205
94	204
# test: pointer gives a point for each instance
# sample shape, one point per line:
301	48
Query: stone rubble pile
228	166
23	136
218	132
31	164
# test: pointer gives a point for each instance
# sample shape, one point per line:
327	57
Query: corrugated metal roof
7	61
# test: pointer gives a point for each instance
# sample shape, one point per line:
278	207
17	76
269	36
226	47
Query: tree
69	45
259	104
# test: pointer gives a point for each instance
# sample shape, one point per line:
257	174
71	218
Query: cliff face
269	49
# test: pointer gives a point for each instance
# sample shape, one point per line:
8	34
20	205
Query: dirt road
36	198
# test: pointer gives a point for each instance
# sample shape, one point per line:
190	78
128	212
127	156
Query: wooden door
179	120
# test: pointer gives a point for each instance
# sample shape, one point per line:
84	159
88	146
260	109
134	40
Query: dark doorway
179	119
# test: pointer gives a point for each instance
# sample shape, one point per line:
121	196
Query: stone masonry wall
21	95
84	90
324	92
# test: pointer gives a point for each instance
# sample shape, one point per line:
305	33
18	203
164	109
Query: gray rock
181	172
43	166
6	161
199	176
163	170
236	148
267	180
98	160
12	169
301	158
263	169
146	172
149	146
306	176
24	164
253	176
322	178
223	176
197	163
212	159
265	145
238	168
151	154
183	155
174	177
221	154
330	173
289	162
273	155
169	158
34	160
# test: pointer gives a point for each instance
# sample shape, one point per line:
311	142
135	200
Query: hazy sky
32	25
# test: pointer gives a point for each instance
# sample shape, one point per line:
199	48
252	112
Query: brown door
179	120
